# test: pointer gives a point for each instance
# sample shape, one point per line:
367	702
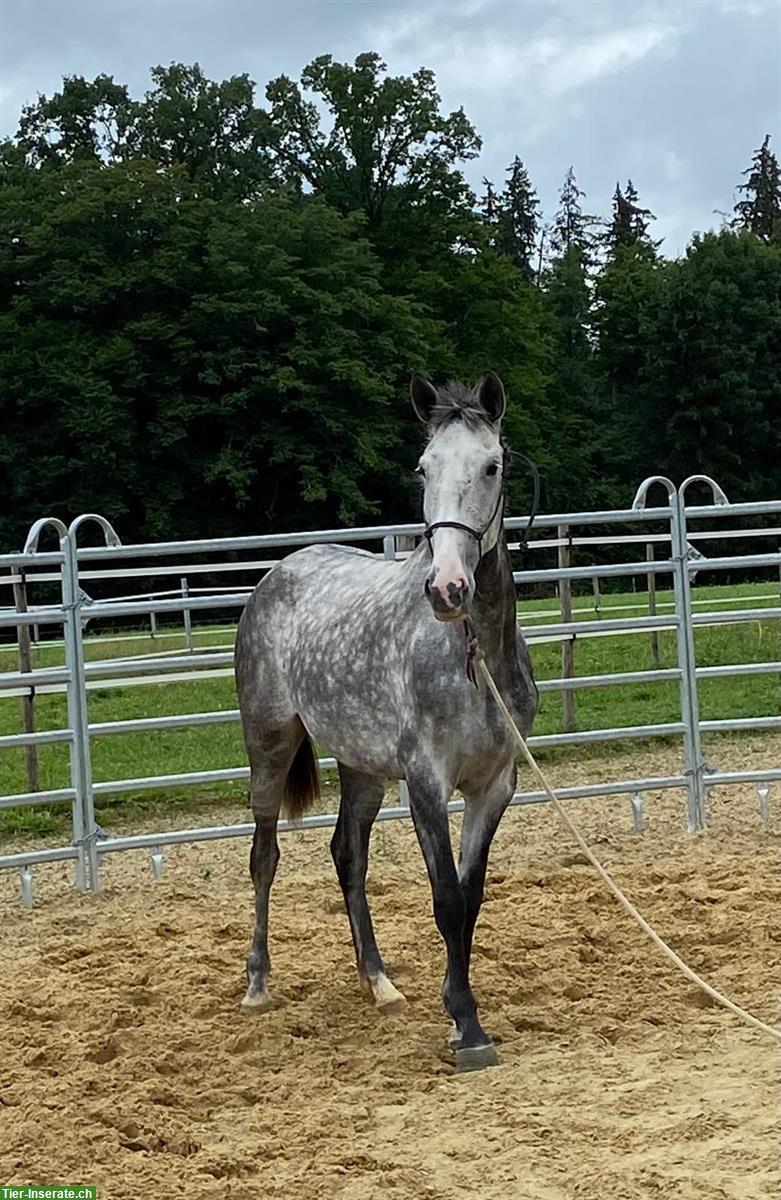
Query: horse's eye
492	468
420	471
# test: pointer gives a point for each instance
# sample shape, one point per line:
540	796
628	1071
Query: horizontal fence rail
72	568
254	566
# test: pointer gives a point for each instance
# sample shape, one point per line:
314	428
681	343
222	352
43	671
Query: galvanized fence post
68	594
687	662
684	635
683	554
80	763
78	716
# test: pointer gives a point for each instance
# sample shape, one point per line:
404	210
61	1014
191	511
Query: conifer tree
760	210
513	218
568	298
571	226
629	222
518	218
489	207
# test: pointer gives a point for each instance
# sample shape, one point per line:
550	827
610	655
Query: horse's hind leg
270	759
360	803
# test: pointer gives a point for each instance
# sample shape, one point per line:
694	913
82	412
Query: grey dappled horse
369	658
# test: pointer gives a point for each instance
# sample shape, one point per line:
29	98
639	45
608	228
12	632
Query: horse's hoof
387	998
390	1007
476	1058
255	1001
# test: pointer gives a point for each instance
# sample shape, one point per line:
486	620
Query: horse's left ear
491	395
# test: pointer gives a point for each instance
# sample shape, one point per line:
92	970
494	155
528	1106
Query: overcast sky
672	93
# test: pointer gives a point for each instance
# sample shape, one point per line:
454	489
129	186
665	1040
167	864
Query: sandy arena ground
126	1062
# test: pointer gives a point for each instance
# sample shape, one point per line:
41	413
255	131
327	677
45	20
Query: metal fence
70	567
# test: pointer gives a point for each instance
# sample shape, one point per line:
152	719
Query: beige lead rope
619	895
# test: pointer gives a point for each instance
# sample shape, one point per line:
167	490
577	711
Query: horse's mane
457	402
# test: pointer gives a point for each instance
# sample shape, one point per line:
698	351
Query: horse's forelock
457	402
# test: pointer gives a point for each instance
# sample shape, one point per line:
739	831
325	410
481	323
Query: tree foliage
192	365
385	150
210	133
711	393
210	308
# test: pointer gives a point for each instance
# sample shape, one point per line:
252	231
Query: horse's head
461	471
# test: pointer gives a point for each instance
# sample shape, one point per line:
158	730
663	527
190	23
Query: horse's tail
302	786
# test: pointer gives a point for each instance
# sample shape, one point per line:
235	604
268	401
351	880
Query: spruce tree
760	211
571	226
629	222
518	218
512	217
489	207
568	298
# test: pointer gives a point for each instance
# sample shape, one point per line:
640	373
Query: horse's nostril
446	595
457	591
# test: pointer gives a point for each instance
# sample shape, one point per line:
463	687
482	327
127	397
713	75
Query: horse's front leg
482	813
428	801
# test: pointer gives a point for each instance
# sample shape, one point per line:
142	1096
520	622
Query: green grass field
123	756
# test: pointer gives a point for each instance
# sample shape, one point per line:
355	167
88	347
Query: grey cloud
672	93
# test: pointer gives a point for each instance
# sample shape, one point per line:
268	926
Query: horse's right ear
424	397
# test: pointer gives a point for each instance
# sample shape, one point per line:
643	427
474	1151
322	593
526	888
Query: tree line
210	309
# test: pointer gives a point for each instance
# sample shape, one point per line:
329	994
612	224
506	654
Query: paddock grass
130	756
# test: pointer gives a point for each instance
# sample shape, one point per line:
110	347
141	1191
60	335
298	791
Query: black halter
479	534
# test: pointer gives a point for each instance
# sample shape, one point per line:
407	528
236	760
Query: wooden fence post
568	647
187	615
597	596
28	702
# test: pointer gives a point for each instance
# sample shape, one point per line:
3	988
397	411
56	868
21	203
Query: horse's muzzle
449	602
